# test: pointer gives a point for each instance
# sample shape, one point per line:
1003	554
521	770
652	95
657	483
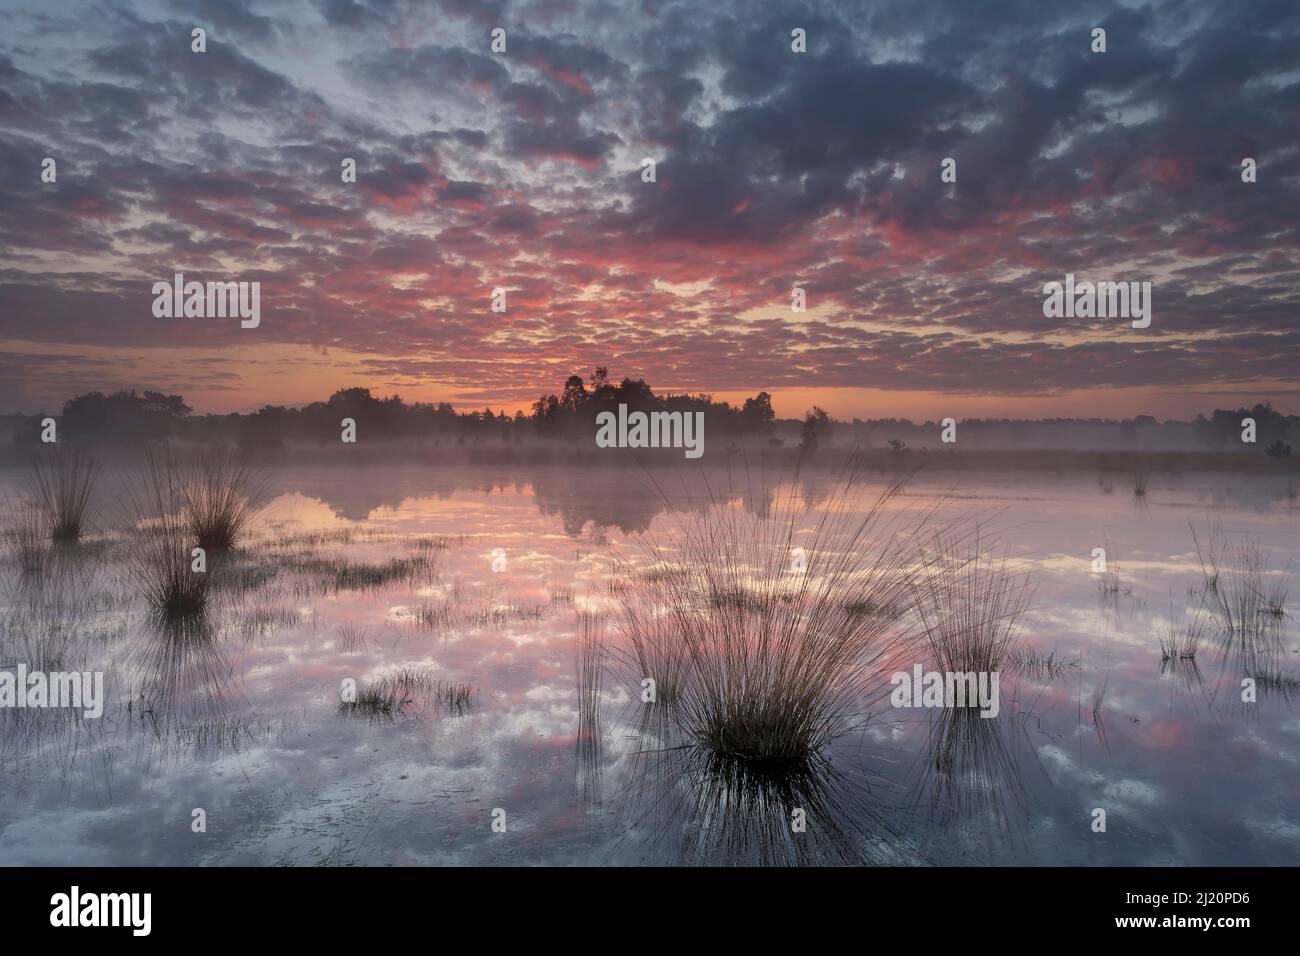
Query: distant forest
128	419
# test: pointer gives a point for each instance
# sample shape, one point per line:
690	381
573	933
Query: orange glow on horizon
243	379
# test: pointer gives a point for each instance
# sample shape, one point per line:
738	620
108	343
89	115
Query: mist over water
469	579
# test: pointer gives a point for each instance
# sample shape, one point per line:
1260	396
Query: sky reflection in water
252	732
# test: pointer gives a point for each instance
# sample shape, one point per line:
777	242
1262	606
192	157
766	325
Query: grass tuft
160	559
970	605
758	656
27	542
62	484
222	496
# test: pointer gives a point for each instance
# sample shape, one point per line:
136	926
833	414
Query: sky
522	170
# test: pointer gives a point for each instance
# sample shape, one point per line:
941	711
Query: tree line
130	418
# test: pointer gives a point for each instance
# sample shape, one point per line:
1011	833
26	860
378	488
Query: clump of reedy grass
62	483
774	676
499	615
970	604
1141	478
46	624
442	542
389	695
1270	677
260	622
221	496
27	541
453	696
379	698
1180	640
660	660
160	561
338	573
1235	585
1274	596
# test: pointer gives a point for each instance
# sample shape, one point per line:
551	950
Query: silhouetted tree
816	426
757	415
122	416
575	393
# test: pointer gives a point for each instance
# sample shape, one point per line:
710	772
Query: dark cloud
522	170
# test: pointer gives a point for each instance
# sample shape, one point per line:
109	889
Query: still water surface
1186	772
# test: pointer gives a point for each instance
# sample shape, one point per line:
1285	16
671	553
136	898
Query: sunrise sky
522	170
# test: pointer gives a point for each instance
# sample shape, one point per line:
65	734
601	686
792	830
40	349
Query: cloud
522	170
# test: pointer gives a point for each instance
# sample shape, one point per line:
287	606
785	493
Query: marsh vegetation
717	673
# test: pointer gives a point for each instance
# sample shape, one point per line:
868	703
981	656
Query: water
1187	773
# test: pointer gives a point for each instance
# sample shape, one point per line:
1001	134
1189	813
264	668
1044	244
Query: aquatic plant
389	695
1141	478
1180	637
589	668
752	641
1035	663
1109	582
1099	699
47	623
695	806
1237	585
27	542
338	573
62	483
973	769
221	496
386	697
970	604
453	696
160	560
351	638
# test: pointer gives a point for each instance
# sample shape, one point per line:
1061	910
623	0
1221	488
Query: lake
464	593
